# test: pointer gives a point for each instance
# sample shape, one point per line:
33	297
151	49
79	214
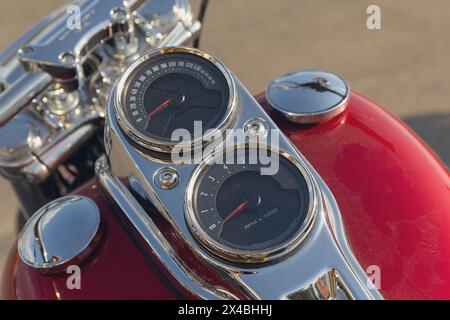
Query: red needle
235	211
163	105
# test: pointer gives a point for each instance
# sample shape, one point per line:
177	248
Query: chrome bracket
61	74
322	261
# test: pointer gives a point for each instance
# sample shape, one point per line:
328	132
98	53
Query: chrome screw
255	127
67	58
166	178
118	14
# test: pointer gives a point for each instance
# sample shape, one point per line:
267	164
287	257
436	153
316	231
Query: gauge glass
236	209
174	90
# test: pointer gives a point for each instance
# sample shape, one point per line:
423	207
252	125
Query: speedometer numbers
170	90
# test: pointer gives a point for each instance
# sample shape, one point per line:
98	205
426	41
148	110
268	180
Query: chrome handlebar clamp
55	79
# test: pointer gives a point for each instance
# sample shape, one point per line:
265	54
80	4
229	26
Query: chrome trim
10	52
328	286
313	106
64	147
63	232
21	143
250	256
161	249
81	97
36	167
20	94
164	145
325	248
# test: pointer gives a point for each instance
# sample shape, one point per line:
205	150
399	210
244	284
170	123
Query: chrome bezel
164	145
249	256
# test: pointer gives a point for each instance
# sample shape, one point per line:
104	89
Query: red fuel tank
393	193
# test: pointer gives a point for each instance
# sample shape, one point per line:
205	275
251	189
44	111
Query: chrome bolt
124	41
255	127
118	14
25	50
67	58
166	178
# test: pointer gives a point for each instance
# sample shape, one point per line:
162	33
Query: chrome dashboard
313	260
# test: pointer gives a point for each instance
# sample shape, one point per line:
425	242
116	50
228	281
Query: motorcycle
146	170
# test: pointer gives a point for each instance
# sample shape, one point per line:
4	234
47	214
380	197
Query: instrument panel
231	209
270	234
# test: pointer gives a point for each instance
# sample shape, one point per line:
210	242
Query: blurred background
405	66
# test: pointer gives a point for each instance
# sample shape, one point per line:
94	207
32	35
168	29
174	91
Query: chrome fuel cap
309	96
63	232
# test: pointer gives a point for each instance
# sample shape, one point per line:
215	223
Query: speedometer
242	215
174	88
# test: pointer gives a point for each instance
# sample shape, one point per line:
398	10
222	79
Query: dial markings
250	211
198	91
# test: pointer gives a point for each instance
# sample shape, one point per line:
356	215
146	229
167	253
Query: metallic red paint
394	196
116	270
393	193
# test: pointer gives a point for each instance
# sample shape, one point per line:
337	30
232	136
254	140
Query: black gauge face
173	90
241	209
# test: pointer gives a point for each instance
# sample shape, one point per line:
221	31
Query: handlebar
20	93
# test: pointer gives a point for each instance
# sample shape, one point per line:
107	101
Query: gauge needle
235	211
162	106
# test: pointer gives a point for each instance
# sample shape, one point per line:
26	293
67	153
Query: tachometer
171	89
241	215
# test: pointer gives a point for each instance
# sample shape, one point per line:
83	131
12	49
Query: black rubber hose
201	17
